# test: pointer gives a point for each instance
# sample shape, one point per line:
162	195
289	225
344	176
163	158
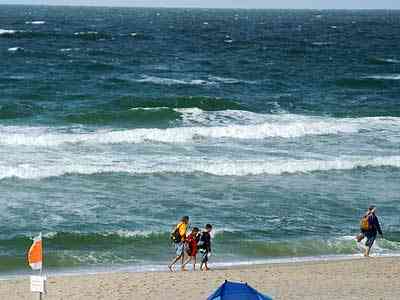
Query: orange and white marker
35	254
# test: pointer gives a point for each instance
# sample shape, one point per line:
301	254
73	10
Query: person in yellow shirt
178	236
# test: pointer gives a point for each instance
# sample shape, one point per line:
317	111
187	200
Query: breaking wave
35	22
210	80
280	126
168	165
171	81
6	32
384	77
177	135
16	49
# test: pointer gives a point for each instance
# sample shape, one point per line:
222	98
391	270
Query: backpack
175	236
364	223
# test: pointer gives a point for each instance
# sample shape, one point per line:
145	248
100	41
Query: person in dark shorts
205	247
370	229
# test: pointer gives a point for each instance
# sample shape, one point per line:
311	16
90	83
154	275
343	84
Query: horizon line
195	7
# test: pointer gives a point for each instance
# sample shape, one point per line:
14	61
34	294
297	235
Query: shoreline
340	279
162	267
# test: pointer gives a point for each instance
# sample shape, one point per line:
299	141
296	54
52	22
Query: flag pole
41	268
35	261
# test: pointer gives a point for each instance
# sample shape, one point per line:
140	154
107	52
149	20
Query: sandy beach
374	278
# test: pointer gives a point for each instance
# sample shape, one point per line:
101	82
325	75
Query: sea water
279	127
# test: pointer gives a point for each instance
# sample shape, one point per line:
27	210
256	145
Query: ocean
279	127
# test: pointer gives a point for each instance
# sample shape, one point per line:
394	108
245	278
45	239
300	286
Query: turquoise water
278	127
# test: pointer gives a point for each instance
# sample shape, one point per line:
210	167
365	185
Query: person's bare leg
183	262
173	263
186	262
194	263
367	250
206	268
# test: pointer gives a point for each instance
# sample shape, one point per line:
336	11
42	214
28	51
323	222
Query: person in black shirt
373	230
205	247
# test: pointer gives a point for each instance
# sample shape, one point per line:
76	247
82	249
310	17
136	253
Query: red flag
35	254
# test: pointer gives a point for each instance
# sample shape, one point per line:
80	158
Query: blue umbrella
237	291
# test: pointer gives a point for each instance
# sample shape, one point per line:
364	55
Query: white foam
322	43
121	233
278	167
86	33
195	117
36	22
281	126
15	49
190	110
384	77
178	135
7	31
229	80
135	233
219	231
389	60
211	80
86	165
150	108
171	81
393	61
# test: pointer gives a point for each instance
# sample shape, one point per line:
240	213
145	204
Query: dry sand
374	278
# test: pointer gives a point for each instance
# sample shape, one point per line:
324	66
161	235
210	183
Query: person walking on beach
370	227
178	236
205	247
191	242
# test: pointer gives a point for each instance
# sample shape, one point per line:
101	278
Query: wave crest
180	134
384	77
278	126
208	81
35	22
87	166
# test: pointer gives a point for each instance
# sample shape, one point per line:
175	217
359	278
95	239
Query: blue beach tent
237	291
